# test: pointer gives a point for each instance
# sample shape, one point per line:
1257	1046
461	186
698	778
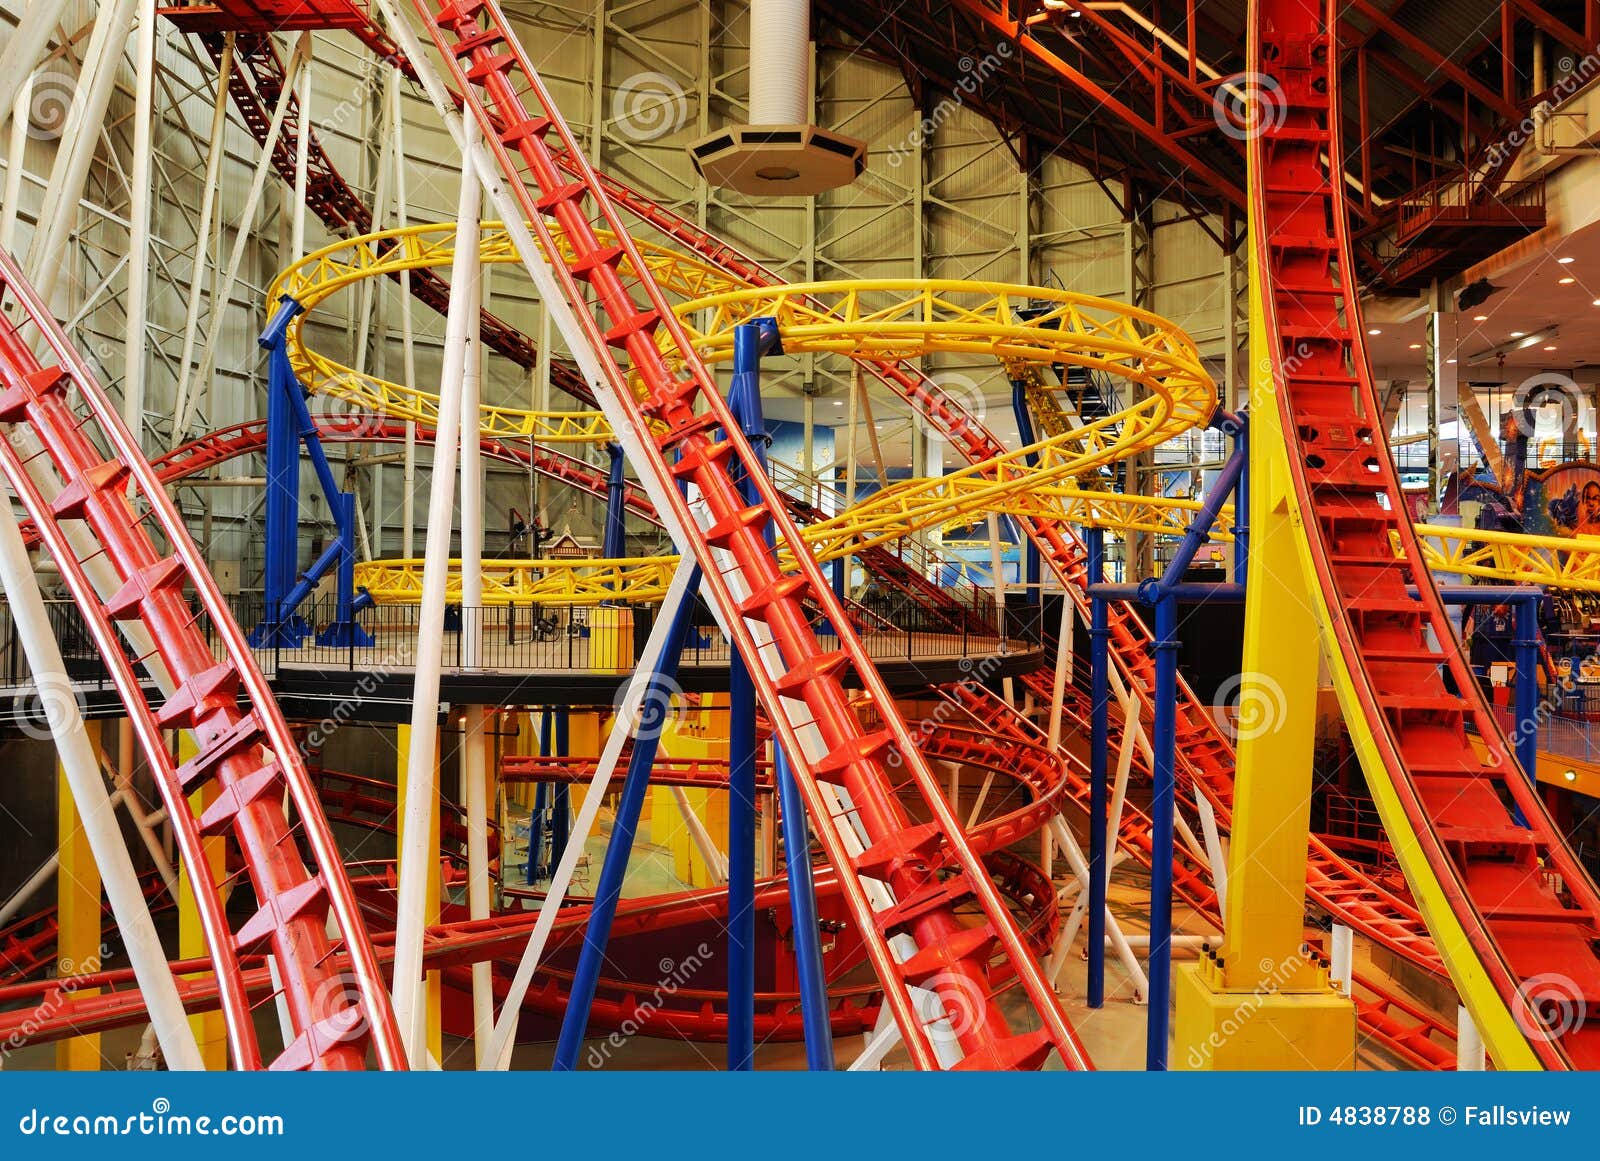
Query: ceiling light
1375	331
1570	775
1449	360
1567	281
1566	261
1518	334
1416	346
1485	318
1551	347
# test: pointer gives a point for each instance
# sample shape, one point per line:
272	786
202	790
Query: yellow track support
1262	1004
80	948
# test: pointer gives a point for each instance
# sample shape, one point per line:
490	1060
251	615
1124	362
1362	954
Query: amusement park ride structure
963	937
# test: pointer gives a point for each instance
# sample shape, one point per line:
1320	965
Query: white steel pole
474	768
15	156
302	151
417	860
27	44
80	135
189	401
408	499
81	766
208	213
133	361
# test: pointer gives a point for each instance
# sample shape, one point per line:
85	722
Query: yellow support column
210	1030
433	992
1260	1003
611	639
78	912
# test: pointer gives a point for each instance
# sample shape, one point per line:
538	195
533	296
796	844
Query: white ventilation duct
779	152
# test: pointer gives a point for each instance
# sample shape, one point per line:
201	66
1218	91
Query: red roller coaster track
1529	912
104	516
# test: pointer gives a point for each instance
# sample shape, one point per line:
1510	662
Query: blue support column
615	544
750	342
803	913
1026	436
1099	765
289	423
538	823
612	869
1163	807
753	341
1236	426
561	797
280	627
1527	689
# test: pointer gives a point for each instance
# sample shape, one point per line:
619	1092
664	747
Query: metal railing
521	639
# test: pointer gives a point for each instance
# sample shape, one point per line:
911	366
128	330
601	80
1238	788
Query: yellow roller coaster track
894	319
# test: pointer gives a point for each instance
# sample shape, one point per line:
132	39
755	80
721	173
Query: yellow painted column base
611	639
1259	1029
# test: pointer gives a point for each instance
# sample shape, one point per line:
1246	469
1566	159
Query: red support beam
1016	31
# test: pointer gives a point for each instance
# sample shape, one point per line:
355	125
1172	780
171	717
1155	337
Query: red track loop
78	493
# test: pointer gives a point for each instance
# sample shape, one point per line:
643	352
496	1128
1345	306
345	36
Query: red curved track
1528	909
123	551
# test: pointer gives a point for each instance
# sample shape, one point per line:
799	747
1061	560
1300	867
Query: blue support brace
612	869
804	927
1163	809
1099	765
1026	437
561	797
539	823
751	341
1527	688
615	544
289	424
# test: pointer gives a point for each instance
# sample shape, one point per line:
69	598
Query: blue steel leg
1527	690
609	889
1162	810
538	823
751	341
1099	767
345	630
803	911
280	626
561	798
741	867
